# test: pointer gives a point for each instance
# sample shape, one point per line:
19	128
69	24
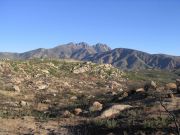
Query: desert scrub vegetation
159	76
55	90
41	116
53	72
108	123
15	67
159	122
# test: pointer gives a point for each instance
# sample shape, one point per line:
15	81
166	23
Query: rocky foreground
67	97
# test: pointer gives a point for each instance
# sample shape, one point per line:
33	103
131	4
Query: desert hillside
64	97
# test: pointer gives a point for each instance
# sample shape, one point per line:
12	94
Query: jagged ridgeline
126	59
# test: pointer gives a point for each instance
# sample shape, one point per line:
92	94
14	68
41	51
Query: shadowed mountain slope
133	59
101	53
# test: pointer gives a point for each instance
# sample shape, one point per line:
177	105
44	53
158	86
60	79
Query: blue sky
147	25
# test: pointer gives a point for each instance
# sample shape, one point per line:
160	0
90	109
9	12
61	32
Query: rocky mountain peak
101	47
101	53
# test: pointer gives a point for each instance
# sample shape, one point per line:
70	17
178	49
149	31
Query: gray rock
23	103
16	88
114	110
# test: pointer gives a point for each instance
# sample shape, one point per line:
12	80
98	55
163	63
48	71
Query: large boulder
77	111
96	107
171	86
114	110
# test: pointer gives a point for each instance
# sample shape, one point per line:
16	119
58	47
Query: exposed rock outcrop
114	110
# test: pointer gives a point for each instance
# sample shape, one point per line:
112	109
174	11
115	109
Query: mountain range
126	59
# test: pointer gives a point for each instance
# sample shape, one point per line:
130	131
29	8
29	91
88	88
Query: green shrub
158	122
110	123
40	116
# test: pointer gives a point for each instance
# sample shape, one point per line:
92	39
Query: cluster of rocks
109	112
102	69
115	109
168	89
153	86
41	80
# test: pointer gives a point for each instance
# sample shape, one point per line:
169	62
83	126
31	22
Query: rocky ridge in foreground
42	96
